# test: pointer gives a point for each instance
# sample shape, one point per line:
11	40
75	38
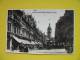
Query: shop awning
21	40
25	41
32	42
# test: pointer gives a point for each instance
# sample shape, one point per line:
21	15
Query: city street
40	33
51	51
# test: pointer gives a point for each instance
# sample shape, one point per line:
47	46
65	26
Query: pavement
51	51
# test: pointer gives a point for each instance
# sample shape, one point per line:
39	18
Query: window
9	27
14	29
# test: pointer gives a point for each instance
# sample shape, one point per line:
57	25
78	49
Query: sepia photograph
40	31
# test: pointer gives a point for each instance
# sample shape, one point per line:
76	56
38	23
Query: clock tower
49	30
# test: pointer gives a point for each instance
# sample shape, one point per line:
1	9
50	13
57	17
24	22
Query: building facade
22	33
64	32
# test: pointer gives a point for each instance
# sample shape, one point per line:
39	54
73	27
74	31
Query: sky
44	17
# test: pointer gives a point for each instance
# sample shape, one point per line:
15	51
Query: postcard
40	31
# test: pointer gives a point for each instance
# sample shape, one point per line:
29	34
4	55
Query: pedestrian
25	48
